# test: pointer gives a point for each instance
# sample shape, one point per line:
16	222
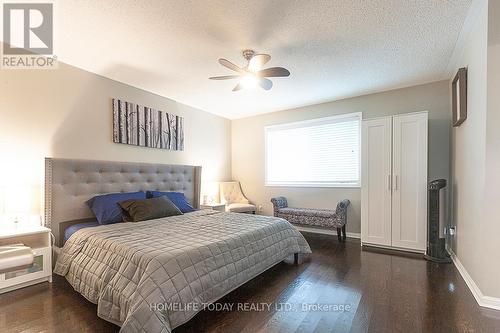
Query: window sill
326	185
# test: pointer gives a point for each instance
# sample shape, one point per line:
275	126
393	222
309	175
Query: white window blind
322	152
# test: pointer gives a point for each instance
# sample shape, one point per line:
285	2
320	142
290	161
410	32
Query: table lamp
20	206
210	192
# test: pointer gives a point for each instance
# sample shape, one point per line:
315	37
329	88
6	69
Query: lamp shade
20	203
2	200
210	191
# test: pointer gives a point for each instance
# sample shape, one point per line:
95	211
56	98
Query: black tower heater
436	250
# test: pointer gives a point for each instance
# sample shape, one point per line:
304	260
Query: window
322	152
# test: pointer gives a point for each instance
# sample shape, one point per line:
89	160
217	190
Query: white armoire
394	182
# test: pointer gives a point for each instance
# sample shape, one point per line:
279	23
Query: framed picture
459	96
138	125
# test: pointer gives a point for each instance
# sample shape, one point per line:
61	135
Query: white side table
38	238
214	206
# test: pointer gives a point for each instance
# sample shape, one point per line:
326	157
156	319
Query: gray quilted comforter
133	271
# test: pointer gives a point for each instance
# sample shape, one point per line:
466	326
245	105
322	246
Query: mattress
155	275
75	227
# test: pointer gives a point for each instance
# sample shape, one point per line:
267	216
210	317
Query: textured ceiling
334	49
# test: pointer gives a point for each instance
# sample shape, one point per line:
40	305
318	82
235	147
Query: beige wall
476	157
248	144
468	149
490	223
67	113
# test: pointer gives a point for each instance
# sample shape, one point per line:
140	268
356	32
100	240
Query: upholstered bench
308	217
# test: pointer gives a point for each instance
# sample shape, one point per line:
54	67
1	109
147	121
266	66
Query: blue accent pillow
106	208
179	199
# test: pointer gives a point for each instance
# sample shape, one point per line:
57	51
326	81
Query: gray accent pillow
136	210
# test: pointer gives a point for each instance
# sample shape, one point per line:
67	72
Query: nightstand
214	206
39	239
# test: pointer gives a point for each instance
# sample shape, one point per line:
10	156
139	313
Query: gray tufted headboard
70	183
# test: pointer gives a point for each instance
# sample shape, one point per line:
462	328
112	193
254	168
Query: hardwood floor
385	293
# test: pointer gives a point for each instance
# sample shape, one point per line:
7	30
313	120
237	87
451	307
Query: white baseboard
327	231
481	299
394	248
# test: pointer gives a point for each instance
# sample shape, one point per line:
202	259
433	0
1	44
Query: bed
155	275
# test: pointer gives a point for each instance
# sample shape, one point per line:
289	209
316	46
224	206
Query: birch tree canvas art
139	125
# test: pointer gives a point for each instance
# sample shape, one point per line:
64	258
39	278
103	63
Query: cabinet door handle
396	183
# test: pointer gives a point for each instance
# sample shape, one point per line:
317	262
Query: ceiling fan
252	73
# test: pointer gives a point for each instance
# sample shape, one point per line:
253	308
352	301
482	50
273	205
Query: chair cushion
240	208
230	192
325	213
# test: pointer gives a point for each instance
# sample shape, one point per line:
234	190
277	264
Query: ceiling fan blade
273	72
228	64
225	77
258	61
238	87
265	83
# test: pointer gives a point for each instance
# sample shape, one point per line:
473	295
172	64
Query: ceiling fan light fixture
254	67
252	75
249	81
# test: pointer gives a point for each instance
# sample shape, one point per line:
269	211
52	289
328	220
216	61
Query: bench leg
339	234
344	236
295	258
